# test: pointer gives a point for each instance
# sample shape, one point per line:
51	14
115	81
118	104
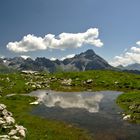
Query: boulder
12	132
22	133
15	138
67	82
2	137
133	106
2	122
9	120
20	127
6	113
34	103
116	82
89	81
38	86
2	107
21	130
33	86
127	117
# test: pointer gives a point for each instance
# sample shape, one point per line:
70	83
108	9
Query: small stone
127	117
5	126
123	114
2	122
67	82
22	132
34	103
10	114
10	95
77	79
5	139
2	107
12	132
89	81
4	136
20	127
27	83
15	138
9	120
5	112
1	119
38	86
116	82
132	106
33	86
8	79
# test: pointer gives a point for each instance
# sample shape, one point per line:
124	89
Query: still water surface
95	111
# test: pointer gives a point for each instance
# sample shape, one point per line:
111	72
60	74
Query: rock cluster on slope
9	129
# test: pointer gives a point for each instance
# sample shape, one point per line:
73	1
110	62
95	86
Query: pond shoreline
101	129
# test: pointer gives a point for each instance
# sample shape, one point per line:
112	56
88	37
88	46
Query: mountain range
87	60
135	66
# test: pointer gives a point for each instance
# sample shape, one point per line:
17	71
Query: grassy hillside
101	80
98	80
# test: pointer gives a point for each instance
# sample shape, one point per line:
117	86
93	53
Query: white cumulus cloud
129	56
68	56
1	56
25	56
138	43
53	58
62	41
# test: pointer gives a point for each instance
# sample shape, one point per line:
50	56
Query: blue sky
117	20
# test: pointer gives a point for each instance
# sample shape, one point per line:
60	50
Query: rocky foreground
10	130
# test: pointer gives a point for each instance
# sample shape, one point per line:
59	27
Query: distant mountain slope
132	68
4	68
135	66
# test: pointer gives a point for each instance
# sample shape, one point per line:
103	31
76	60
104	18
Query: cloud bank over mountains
68	56
63	41
129	56
62	58
50	41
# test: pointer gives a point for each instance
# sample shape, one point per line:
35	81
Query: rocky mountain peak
89	52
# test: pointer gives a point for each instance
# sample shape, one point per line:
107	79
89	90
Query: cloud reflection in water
88	101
